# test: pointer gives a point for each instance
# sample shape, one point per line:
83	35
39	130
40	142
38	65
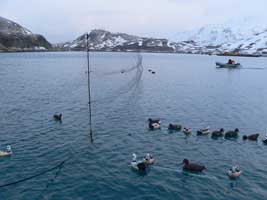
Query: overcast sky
63	20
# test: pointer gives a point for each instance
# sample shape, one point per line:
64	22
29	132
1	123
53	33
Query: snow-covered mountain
101	40
252	44
218	34
234	37
242	38
14	37
239	37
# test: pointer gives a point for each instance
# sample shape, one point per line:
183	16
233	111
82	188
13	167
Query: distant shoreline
210	54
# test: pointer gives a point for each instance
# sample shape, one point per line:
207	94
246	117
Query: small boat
226	65
204	131
148	159
6	152
138	165
234	172
174	127
187	131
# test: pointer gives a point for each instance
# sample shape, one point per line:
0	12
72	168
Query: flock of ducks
233	172
154	124
148	160
152	72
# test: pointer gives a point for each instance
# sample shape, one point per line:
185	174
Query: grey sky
63	20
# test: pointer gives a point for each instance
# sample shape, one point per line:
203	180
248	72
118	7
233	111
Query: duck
6	152
216	134
138	165
232	134
57	117
192	167
150	120
264	140
253	137
204	131
149	70
148	159
187	131
234	172
154	123
154	126
153	72
174	127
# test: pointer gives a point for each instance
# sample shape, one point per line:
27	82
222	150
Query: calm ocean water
186	88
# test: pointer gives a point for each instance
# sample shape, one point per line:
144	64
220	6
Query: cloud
62	20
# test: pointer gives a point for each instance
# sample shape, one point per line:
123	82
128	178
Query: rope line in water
60	165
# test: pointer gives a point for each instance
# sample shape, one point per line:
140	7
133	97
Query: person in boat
231	62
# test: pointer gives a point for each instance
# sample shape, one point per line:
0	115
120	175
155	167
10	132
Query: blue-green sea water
186	88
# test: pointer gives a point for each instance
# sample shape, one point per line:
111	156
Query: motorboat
227	65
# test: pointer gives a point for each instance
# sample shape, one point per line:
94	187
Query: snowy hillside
222	33
14	37
102	40
253	44
213	39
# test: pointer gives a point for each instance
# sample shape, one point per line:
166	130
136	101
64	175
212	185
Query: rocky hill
101	40
14	37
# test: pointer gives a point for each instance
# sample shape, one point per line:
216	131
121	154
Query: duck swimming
153	120
253	137
7	152
148	159
154	123
232	134
234	172
192	167
216	134
187	131
204	131
57	117
138	165
264	140
174	127
154	126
